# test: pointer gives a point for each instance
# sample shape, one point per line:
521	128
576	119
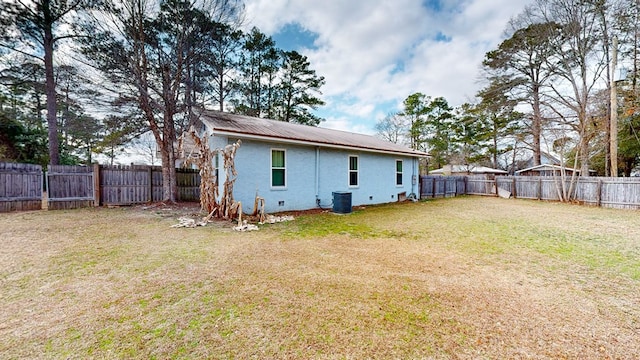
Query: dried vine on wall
204	158
229	207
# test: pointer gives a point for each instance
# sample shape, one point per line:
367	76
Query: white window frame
357	171
401	173
277	187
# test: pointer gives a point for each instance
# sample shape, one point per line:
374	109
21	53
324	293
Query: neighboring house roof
283	132
467	169
546	167
545	158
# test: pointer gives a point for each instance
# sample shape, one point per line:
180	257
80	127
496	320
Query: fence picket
81	186
20	187
128	185
75	186
621	193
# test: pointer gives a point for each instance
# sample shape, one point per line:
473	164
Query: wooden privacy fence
20	187
620	193
70	187
188	181
126	185
442	186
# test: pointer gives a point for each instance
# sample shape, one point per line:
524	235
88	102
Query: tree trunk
536	125
166	175
173	184
188	94
495	144
584	156
50	85
609	77
169	185
221	89
613	122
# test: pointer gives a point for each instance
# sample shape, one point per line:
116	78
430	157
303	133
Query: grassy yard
471	277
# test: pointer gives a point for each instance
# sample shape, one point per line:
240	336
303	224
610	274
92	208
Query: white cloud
360	108
345	124
378	51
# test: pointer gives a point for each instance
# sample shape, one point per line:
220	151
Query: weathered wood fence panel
188	181
69	187
20	187
480	185
621	193
442	186
505	184
550	188
128	185
523	187
588	190
527	187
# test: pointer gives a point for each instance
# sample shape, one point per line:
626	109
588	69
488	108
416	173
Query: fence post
433	192
455	185
539	189
514	191
150	171
96	185
599	193
466	179
495	180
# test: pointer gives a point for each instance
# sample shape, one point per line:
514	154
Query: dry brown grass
456	278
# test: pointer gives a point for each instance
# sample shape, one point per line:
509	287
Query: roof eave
548	167
244	135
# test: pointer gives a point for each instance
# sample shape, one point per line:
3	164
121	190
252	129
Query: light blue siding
314	173
377	176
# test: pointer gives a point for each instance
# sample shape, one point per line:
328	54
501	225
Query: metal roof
283	132
547	167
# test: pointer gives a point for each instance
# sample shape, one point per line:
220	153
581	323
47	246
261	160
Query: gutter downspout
317	179
414	179
413	176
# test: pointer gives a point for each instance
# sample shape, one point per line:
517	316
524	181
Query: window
353	171
216	168
398	172
278	168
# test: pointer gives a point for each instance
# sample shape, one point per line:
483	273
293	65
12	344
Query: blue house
299	167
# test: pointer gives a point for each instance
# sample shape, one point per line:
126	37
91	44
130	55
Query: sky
375	53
